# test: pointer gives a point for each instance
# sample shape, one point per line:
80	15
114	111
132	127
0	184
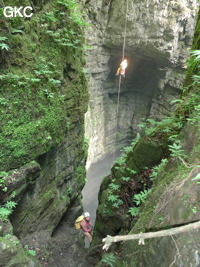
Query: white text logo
11	12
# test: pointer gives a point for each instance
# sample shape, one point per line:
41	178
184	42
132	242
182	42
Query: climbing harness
119	85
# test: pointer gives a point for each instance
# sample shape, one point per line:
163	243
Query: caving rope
119	85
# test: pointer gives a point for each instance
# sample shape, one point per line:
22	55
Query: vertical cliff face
43	99
157	41
172	202
153	187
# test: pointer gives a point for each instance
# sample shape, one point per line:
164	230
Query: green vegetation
154	212
197	177
157	169
32	252
43	87
7	208
177	152
69	191
187	106
141	197
134	211
115	201
10	237
109	259
3	45
121	191
145	187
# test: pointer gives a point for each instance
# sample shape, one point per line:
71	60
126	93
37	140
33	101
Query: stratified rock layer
157	40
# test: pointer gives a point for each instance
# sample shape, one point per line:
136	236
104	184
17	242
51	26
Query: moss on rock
43	98
12	254
145	154
43	87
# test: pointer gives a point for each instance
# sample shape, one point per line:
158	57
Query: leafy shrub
141	197
134	211
109	259
6	210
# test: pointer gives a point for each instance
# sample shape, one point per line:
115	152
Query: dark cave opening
142	74
137	90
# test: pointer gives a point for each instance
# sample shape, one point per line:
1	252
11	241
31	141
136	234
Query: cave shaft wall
158	40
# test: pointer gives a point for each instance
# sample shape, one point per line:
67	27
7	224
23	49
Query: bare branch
142	236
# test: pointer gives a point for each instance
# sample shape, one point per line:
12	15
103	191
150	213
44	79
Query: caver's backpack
78	221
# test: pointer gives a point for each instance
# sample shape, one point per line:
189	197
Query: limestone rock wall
51	190
43	99
174	196
172	202
158	39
